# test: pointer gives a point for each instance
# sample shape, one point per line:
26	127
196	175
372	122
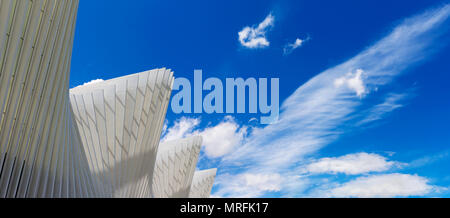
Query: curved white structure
40	155
98	140
175	167
120	120
202	183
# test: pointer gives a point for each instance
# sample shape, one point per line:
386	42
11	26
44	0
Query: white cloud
391	103
318	112
255	37
383	186
181	129
353	81
429	159
290	47
298	43
249	185
218	140
352	164
221	139
91	82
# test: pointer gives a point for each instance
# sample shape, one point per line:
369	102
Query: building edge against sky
98	140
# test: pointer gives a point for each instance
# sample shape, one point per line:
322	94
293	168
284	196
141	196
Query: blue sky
364	94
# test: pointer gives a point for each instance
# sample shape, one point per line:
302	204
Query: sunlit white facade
97	140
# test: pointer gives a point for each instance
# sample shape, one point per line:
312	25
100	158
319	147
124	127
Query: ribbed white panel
99	140
175	167
120	121
202	183
40	155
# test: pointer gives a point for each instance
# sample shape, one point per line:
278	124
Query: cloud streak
352	164
290	47
390	104
383	186
319	111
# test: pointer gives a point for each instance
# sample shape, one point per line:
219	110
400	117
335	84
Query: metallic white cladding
120	122
202	183
175	167
98	140
38	146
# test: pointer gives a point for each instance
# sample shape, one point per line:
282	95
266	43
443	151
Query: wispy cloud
290	47
316	113
382	186
352	164
391	102
247	185
255	37
429	159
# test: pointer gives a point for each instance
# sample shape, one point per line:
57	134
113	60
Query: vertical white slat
7	9
17	112
110	105
50	139
136	145
13	48
129	136
120	117
100	127
8	89
83	153
47	97
144	127
91	120
70	186
33	88
64	48
36	102
89	148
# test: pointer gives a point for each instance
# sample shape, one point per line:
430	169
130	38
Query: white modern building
202	183
97	140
